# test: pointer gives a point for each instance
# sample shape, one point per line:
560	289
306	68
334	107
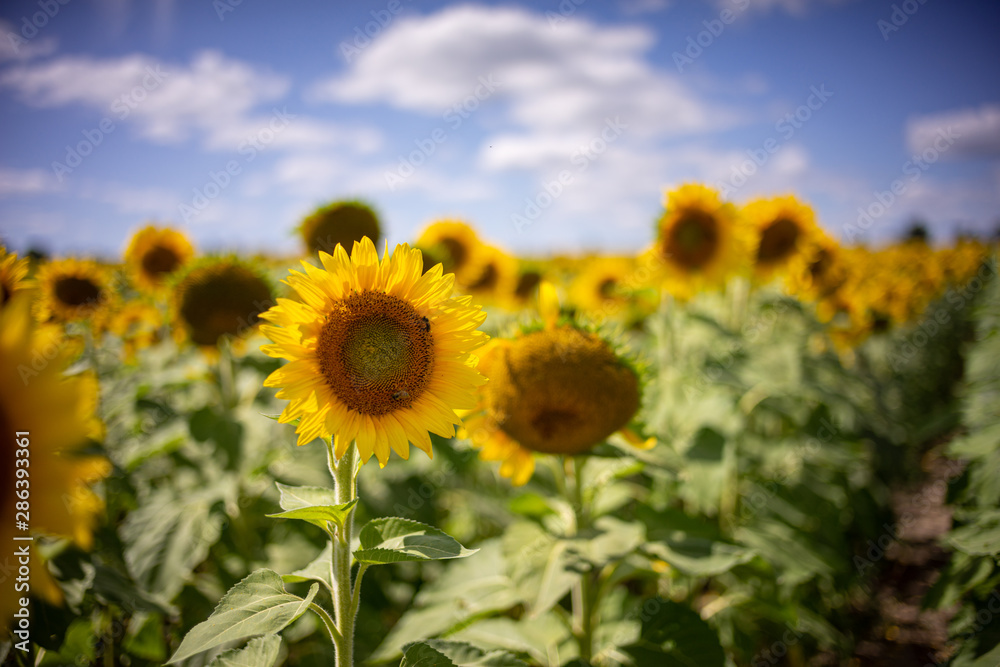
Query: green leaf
313	504
698	556
260	652
393	540
437	653
258	605
979	538
539	565
607	541
673	635
318	570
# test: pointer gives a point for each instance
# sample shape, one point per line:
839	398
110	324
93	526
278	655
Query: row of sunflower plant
693	443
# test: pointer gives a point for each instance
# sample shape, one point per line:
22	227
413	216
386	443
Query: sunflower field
746	445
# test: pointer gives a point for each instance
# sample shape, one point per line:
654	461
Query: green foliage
395	540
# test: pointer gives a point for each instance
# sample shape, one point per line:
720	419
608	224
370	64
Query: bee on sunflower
786	229
74	290
219	298
560	389
339	223
62	501
155	254
701	241
379	351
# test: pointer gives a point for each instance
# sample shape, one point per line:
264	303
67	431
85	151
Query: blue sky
551	126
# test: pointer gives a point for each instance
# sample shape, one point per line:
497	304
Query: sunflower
154	254
529	276
493	276
12	275
138	325
558	390
339	223
453	243
220	297
379	352
602	286
73	290
701	240
786	229
817	276
31	393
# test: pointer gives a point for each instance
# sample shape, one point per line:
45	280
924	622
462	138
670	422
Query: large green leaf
979	538
318	570
699	556
437	653
313	504
260	652
394	540
607	541
539	564
258	605
673	635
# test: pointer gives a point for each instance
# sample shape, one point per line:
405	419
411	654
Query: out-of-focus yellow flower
137	324
493	277
73	290
701	241
154	254
340	222
13	272
57	415
785	230
379	352
452	243
600	287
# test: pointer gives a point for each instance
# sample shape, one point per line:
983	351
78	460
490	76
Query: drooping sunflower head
56	416
379	351
73	290
13	272
453	243
786	228
700	239
340	222
559	390
219	297
154	254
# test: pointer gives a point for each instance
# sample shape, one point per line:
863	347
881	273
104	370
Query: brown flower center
376	352
693	240
77	292
159	261
222	300
777	242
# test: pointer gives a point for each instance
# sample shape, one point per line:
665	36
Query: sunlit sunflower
493	276
529	277
13	272
72	290
379	352
137	324
453	243
340	222
220	297
602	285
559	390
701	240
57	414
817	276
154	254
786	229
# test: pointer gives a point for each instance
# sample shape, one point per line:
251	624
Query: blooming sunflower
701	240
31	393
493	276
73	290
339	223
219	297
786	228
379	352
138	325
818	275
558	390
453	243
156	253
600	287
12	275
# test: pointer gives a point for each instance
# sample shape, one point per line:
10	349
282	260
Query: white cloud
971	133
222	100
14	45
25	182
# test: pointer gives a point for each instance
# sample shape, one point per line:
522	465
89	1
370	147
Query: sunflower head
701	239
493	277
339	223
528	279
13	272
154	254
219	297
455	244
379	351
786	229
74	290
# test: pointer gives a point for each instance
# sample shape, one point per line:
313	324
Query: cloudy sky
551	126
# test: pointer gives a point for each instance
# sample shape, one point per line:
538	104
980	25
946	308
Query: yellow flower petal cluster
154	254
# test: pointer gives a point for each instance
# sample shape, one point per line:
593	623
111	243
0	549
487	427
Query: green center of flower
77	292
693	240
376	352
777	241
159	261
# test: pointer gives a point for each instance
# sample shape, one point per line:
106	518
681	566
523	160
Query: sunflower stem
344	595
227	383
584	602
